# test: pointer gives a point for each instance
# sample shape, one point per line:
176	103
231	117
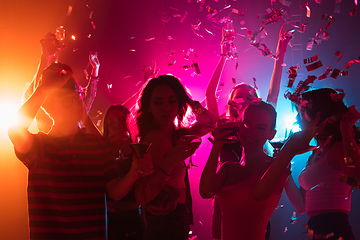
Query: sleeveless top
324	191
243	216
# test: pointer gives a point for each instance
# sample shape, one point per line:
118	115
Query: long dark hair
106	116
327	102
144	119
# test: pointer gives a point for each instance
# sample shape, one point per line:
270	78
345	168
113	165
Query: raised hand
55	76
50	45
284	39
94	60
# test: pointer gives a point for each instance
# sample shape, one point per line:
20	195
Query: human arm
351	149
275	81
119	187
91	88
205	121
164	160
210	93
211	181
297	144
53	78
295	195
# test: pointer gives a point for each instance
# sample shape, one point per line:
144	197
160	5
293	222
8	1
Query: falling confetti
69	10
91	14
93	24
294	219
109	87
73	37
149	39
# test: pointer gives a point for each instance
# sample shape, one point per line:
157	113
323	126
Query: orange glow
8	111
73	37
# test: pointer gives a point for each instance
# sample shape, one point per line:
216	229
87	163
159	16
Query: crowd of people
130	181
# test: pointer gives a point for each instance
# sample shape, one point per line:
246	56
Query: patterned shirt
67	185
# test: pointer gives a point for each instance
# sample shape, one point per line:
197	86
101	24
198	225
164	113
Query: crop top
324	191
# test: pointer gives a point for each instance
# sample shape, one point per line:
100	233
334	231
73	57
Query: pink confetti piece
351	62
176	15
149	39
171	63
339	54
138	83
128	76
312	59
69	10
335	73
314	66
285	230
73	37
208	31
98	123
310	44
75	49
93	24
285	3
292	76
131	38
170	38
326	73
91	14
184	16
89	36
352	12
318	1
280	206
132	50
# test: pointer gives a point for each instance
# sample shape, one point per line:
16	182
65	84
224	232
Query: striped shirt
67	185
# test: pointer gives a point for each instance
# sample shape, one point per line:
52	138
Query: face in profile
256	127
243	95
164	105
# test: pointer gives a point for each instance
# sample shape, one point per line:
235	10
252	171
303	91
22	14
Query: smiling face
256	127
164	105
242	95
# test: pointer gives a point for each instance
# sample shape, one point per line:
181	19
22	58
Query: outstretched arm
211	181
296	195
91	88
274	89
210	93
297	144
52	79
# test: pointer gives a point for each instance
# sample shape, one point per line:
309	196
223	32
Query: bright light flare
290	124
8	114
73	37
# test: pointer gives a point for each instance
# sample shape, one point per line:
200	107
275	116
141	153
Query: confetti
285	230
131	38
352	12
325	74
335	73
280	206
170	38
351	62
109	87
221	84
310	44
89	36
337	6
273	15
184	16
98	123
132	50
138	83
91	14
292	76
171	63
75	49
308	11
69	10
323	236
196	67
73	37
294	219
312	59
285	3
233	80
208	31
128	76
93	24
314	66
149	39
176	15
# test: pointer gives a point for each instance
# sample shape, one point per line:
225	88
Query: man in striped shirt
69	170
